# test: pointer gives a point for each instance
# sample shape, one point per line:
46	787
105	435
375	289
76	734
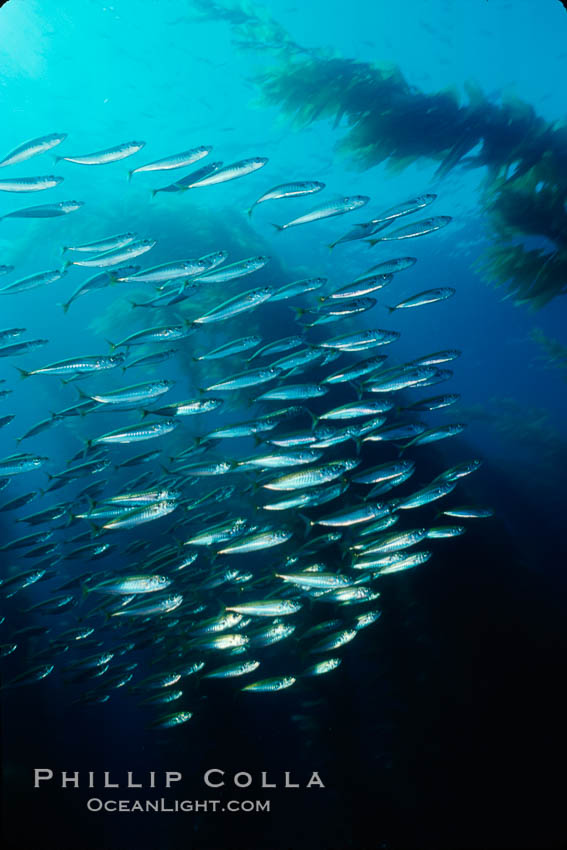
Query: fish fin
299	311
96	530
279	227
23	373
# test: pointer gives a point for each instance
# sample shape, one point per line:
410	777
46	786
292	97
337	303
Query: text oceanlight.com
95	804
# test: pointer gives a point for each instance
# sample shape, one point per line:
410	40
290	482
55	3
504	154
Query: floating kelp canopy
389	121
556	352
385	119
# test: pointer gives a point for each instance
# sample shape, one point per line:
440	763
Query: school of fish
280	494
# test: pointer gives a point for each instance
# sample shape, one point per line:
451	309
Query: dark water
444	725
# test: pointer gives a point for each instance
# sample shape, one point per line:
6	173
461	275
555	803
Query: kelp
385	120
555	351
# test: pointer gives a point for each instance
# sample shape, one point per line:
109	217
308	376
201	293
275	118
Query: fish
236	346
135	394
229	671
167	272
32	281
191	407
115	256
231	172
164	333
312	477
11	333
267	608
258	542
189	180
27	150
466	512
135	433
105	156
169	721
339	206
102	246
238	304
298	287
394	266
16	349
46	210
234	270
429	296
418	228
361	341
362	286
137	584
268	685
288	190
18	463
77	366
30	184
98	281
178	160
241	380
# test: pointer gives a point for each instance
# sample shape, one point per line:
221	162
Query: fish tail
130	174
279	227
154	192
389	309
64	248
112	345
96	530
358	444
331	246
307	523
357	387
66	265
65	305
23	373
372	242
249	210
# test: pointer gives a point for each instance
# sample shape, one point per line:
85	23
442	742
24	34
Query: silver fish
105	156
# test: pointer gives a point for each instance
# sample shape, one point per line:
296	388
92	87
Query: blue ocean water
443	727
